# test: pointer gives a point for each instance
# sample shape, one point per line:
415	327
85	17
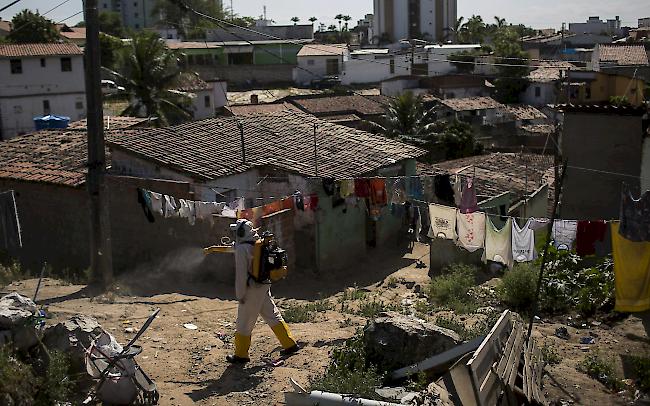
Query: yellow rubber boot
242	344
283	334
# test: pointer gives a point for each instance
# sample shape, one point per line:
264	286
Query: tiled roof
498	172
623	54
57	157
112	123
262	108
5	25
192	45
189	82
74	33
549	71
211	149
539	128
524	112
18	50
342	118
323	50
472	103
336	105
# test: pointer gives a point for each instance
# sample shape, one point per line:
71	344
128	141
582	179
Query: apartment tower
407	19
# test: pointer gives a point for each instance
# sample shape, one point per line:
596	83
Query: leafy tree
150	74
110	22
332	27
111	51
475	30
511	80
499	22
339	18
30	27
295	20
408	120
347	20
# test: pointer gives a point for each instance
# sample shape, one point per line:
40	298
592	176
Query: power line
9	5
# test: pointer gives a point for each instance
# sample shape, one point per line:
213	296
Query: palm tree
339	17
332	27
313	20
346	19
149	75
457	32
500	22
407	118
295	20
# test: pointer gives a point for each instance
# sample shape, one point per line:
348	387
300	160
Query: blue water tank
51	121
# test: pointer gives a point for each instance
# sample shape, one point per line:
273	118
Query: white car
109	87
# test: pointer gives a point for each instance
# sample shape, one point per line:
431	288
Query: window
79	105
46	107
240	59
392	66
538	91
42	62
66	65
206	101
135	4
16	66
310	62
136	15
137	26
588	92
332	67
105	5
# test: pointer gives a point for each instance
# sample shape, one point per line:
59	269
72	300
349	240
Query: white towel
471	230
187	210
523	242
156	202
443	221
498	243
205	210
170	208
564	233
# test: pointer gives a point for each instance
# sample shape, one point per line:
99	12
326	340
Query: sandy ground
188	365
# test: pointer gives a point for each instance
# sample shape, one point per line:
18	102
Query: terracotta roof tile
211	148
472	103
47	156
524	112
112	123
19	50
498	172
337	105
623	54
323	50
262	108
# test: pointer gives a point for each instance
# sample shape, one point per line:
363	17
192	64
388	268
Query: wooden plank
439	360
492	352
505	356
459	382
528	379
512	366
496	330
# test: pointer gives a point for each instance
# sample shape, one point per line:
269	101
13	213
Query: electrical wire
8	5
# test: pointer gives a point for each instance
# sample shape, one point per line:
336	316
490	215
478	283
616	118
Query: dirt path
188	365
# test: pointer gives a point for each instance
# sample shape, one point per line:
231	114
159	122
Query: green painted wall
275	54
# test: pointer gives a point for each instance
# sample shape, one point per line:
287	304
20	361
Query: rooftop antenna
264	12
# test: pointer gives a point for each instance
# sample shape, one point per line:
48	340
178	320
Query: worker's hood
244	231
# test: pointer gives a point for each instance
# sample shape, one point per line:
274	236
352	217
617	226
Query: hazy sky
536	13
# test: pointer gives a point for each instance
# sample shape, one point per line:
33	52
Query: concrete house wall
375	68
601	142
22	95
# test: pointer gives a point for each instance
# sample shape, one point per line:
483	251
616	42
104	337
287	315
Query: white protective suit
254	298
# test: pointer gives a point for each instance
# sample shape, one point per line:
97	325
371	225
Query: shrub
352	294
11	273
305	313
601	369
452	288
17	379
478	329
349	372
371	309
642	371
518	287
550	355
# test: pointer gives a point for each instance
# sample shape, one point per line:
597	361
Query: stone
394	341
15	310
72	337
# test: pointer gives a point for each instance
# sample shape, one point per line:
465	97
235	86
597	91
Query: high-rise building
136	14
429	20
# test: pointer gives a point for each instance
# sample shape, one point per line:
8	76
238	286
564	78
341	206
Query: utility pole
101	261
315	149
